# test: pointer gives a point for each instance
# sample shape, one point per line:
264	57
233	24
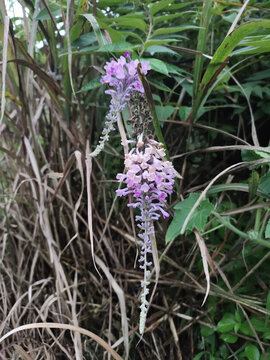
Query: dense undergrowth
68	273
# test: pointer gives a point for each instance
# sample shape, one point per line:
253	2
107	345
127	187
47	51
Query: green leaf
265	183
159	5
157	42
252	352
200	355
111	2
229	338
228	44
254	44
158	66
173	30
44	14
84	40
198	219
96	28
180	6
166	17
160	49
266	335
258	324
76	30
81	51
184	111
159	85
250	155
238	316
132	34
262	154
115	35
93	84
259	75
116	47
172	69
267	235
188	87
226	323
131	23
236	327
245	329
164	112
206	331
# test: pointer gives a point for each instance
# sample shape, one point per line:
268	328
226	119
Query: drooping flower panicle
123	78
149	178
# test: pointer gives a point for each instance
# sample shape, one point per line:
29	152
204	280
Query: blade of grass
201	45
4	69
88	163
79	164
240	12
205	260
121	297
69	47
96	29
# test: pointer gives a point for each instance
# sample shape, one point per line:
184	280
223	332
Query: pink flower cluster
123	78
122	74
149	178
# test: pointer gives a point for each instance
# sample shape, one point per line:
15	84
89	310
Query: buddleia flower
149	178
122	77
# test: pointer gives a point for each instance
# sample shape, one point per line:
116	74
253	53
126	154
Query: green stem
240	233
258	219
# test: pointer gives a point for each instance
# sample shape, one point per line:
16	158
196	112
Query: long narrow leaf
4	68
202	37
121	297
96	29
69	47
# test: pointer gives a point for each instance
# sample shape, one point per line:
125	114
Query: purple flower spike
123	78
149	178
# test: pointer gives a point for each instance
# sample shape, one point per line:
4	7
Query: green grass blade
219	59
202	37
96	29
